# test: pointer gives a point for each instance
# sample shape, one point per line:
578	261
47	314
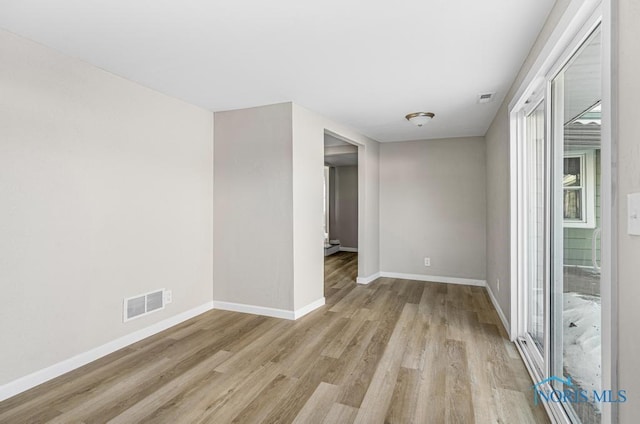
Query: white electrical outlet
427	261
498	284
168	296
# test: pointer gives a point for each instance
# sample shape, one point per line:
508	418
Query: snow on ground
582	339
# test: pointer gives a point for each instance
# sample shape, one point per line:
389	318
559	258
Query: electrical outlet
498	284
168	296
427	261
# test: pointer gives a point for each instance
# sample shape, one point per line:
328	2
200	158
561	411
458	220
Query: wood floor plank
359	379
352	355
333	296
414	294
350	299
459	408
261	406
415	347
376	401
433	373
318	405
405	397
257	351
336	347
393	351
513	407
224	408
296	362
83	411
73	391
151	403
502	376
484	405
294	400
340	413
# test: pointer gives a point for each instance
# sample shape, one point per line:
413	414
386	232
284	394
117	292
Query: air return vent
137	306
485	97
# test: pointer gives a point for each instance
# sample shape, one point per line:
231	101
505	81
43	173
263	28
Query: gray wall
498	199
628	181
433	203
253	207
106	191
343	216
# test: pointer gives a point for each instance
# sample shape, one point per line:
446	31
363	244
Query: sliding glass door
559	161
576	307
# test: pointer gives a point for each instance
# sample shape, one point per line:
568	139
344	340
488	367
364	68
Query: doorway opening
341	221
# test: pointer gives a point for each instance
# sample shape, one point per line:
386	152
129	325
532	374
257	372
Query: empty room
319	212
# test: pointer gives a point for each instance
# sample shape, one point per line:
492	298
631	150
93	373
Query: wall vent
143	304
485	97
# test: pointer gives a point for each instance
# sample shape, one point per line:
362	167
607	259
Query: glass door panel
575	292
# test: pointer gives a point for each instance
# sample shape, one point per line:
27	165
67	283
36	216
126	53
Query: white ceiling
363	63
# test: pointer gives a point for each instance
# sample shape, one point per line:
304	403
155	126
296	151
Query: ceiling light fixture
420	118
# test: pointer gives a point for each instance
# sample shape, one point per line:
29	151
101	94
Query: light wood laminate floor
395	351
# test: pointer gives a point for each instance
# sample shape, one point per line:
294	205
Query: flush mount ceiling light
420	118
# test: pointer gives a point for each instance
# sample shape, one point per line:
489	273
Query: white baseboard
255	310
498	309
266	311
309	308
349	249
369	279
434	278
34	379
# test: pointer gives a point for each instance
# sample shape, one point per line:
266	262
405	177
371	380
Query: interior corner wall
107	193
344	216
310	127
308	217
498	182
433	204
268	208
254	208
627	33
